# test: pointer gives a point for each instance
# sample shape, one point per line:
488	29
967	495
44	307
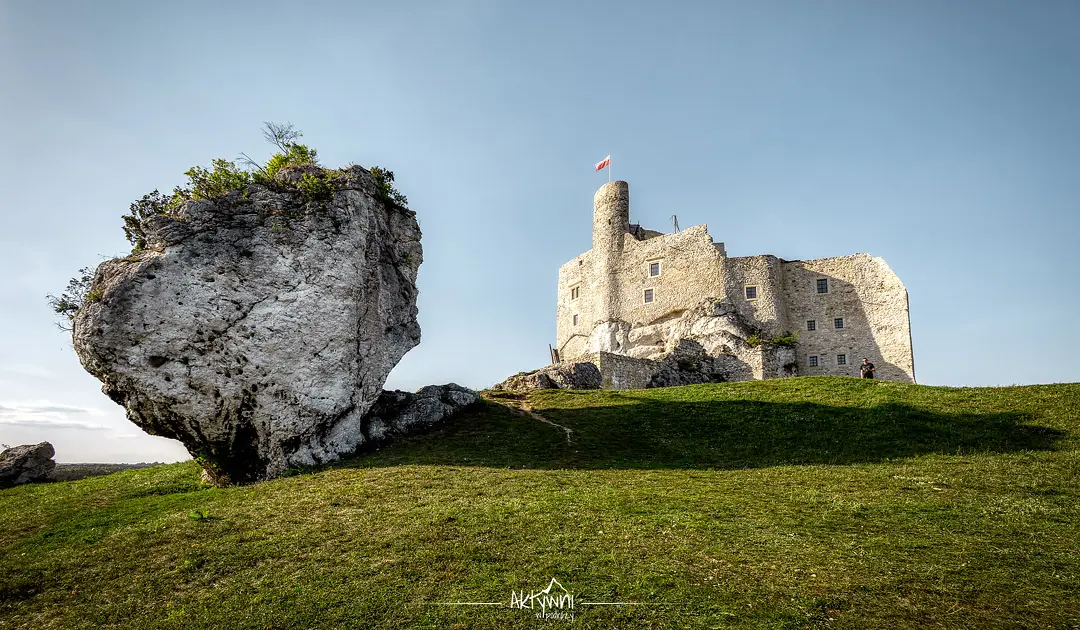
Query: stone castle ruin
653	309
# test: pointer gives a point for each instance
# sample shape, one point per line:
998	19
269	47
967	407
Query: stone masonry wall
690	267
572	337
611	283
871	300
768	310
621	372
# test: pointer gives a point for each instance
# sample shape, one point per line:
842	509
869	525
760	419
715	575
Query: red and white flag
604	162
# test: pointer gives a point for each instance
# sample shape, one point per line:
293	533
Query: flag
604	162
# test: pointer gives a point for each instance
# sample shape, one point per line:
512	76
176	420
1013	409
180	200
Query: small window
654	269
838	322
812	360
575	320
751	293
575	292
648	296
823	285
841	359
811	324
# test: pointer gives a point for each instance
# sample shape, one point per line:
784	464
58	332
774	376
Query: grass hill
808	502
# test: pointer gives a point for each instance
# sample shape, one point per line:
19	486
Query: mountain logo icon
553	597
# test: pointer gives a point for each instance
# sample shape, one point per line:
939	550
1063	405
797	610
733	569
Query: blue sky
942	136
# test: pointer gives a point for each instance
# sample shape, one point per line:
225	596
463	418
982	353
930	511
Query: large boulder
398	413
26	464
569	375
258	329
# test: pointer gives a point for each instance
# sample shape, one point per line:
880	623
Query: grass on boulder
808	502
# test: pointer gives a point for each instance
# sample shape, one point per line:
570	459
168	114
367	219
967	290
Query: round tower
611	222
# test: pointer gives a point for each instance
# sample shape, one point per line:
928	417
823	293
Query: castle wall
768	310
572	337
621	372
690	267
873	303
613	276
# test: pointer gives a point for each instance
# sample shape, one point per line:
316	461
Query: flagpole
609	169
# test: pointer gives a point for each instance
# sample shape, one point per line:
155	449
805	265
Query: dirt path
522	407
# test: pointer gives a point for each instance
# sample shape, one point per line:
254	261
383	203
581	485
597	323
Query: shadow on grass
647	433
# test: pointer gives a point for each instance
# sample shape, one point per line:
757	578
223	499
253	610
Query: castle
641	303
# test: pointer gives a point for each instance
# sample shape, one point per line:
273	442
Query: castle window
823	285
575	320
841	359
811	324
751	293
648	296
812	360
838	322
654	269
575	292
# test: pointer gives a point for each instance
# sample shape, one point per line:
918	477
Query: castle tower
611	222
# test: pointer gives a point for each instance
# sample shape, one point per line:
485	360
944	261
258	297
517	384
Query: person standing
866	370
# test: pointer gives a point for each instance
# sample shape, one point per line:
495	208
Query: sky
942	136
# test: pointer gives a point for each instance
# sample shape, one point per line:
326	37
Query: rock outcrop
26	464
713	323
708	343
397	412
577	375
258	329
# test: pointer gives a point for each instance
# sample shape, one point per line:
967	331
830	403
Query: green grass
809	502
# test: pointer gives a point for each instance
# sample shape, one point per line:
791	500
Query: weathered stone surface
26	464
579	375
258	331
524	382
397	412
707	343
575	375
618	371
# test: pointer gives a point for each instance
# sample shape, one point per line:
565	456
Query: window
812	360
575	320
841	359
751	293
838	322
575	292
811	324
648	296
654	269
823	285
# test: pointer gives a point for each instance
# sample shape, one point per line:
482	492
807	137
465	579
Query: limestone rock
258	329
26	464
526	381
397	412
576	375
